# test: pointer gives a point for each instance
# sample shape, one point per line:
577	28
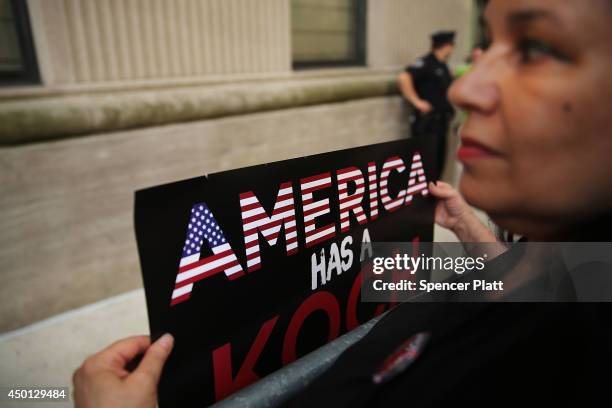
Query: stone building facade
99	98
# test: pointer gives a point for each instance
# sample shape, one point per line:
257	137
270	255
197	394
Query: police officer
425	84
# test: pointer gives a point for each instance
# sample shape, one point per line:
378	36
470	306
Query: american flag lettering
203	230
255	218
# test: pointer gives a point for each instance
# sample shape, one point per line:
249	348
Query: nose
477	90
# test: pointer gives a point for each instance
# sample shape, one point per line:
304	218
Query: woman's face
537	144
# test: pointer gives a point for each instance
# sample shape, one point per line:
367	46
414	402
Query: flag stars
203	230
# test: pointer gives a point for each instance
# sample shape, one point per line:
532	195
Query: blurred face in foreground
537	145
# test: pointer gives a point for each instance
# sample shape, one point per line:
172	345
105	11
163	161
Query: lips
472	150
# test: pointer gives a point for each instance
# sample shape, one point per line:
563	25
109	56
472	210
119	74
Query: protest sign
252	268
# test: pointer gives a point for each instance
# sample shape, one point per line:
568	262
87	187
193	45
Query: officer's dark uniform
431	79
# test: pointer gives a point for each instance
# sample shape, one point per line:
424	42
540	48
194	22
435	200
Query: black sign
251	269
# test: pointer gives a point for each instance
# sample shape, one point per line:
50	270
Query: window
480	35
328	33
17	57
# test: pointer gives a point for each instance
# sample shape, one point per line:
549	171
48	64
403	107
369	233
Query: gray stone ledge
40	119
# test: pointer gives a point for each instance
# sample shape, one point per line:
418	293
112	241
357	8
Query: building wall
92	41
398	30
66	208
105	41
66	205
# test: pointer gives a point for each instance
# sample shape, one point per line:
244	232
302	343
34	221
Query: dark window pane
17	59
10	58
327	32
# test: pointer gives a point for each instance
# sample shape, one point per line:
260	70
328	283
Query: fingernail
166	341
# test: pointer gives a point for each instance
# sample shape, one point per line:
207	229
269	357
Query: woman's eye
532	50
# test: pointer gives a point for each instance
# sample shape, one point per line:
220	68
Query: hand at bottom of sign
104	379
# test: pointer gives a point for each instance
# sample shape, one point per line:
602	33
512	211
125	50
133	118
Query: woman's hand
451	209
454	213
103	380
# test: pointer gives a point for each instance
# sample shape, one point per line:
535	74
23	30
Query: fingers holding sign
451	208
104	379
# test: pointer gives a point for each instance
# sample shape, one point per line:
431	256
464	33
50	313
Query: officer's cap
441	38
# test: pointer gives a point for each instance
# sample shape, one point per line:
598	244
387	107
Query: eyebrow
523	17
